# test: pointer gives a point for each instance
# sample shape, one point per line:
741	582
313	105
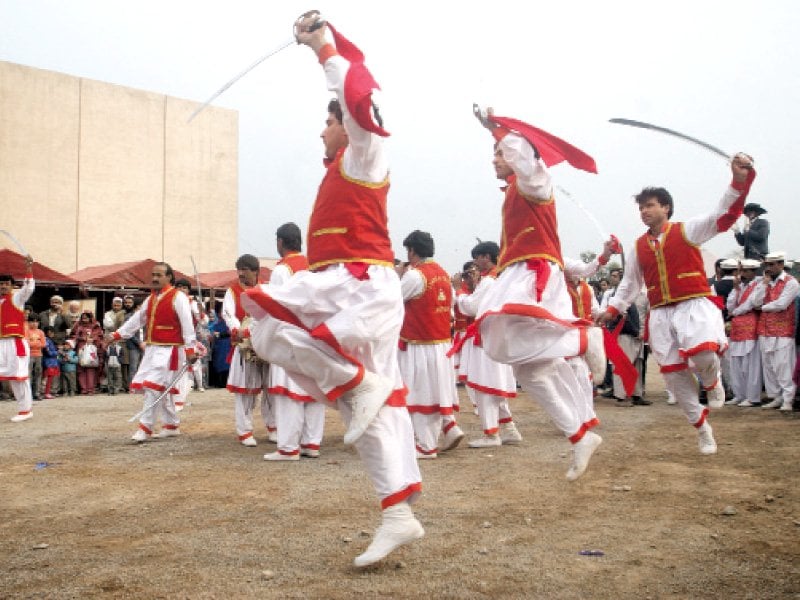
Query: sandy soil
201	516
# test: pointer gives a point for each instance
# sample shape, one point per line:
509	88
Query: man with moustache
169	343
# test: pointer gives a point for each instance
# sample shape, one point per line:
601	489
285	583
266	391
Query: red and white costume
746	374
425	367
14	350
489	383
300	420
585	307
776	335
247	379
326	326
185	384
526	318
683	323
169	338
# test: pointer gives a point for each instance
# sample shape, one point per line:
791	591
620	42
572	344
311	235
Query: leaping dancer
526	317
334	328
684	324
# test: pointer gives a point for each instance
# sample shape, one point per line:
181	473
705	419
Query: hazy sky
725	72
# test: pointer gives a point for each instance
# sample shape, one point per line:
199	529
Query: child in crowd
36	341
114	368
50	361
68	360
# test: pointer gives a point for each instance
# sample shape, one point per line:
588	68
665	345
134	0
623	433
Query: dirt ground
201	516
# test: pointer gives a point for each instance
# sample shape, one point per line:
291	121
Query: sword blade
163	394
672	132
16	242
601	232
219	92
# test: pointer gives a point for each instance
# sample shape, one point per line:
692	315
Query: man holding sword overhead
684	324
334	328
169	341
14	351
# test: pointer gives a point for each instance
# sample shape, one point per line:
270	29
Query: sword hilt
318	22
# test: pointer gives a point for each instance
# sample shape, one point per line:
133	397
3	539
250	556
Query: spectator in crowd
86	333
222	347
133	345
754	237
52	372
54	317
72	315
114	367
775	295
68	361
743	351
36	342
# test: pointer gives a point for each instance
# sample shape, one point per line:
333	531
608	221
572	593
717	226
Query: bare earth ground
201	516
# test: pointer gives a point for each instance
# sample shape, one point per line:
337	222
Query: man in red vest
169	341
299	418
746	373
775	296
248	375
526	318
424	341
684	324
14	351
490	384
334	328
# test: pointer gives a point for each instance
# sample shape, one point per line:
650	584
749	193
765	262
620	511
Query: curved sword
316	25
672	132
16	242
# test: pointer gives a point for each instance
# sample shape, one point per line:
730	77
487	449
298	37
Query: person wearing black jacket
756	232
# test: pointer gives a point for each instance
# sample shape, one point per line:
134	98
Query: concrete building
93	173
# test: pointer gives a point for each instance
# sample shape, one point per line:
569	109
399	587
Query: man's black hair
289	233
249	262
663	197
420	242
490	248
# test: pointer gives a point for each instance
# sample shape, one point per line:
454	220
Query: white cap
779	256
788	264
750	263
729	263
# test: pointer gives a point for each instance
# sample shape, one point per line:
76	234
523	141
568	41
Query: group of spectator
70	356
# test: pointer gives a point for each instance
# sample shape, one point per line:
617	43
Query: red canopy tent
135	274
14	264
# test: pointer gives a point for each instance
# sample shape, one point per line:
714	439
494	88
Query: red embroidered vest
672	268
294	262
12	319
461	321
349	221
427	319
776	324
163	326
745	327
581	295
530	230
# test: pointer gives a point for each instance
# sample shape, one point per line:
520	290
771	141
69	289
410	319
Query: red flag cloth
717	301
542	269
622	364
553	150
358	84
